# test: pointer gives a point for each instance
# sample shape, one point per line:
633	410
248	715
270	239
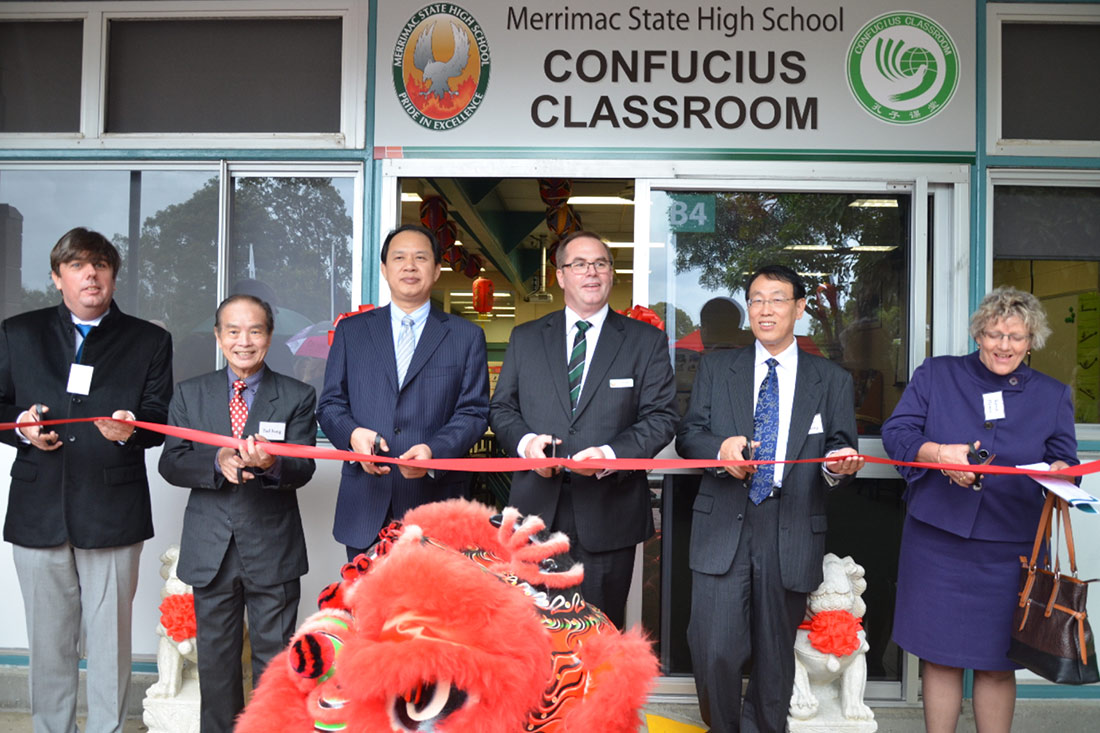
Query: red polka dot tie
238	408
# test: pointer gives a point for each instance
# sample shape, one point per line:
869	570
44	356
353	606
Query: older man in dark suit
758	537
589	383
405	380
78	509
242	545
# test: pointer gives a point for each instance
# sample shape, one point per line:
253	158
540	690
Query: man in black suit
78	508
405	380
242	543
589	383
758	537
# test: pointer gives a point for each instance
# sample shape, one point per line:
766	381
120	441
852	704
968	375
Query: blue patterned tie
85	329
405	345
765	428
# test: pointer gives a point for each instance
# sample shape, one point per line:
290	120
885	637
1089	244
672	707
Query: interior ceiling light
410	198
874	204
810	247
630	245
600	200
874	248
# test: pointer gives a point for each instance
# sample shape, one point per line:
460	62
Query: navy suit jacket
637	418
444	403
721	406
260	514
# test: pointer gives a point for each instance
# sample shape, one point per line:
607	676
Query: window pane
1048	74
851	250
168	269
1044	242
230	76
291	244
40	76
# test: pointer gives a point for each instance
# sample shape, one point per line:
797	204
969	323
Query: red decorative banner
525	464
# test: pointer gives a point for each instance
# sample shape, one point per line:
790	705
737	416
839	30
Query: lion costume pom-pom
457	622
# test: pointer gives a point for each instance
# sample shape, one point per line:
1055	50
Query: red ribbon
293	450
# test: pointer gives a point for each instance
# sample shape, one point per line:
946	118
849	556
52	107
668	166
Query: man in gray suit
758	537
589	383
242	545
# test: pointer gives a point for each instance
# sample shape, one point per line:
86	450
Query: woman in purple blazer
959	568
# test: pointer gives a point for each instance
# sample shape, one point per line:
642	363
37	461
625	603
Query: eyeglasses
580	267
997	336
772	302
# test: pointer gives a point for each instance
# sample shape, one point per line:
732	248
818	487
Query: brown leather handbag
1050	630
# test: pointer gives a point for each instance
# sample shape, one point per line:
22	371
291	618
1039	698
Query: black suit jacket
91	492
532	396
721	406
261	514
443	403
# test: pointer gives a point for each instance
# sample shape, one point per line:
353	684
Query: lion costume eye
426	706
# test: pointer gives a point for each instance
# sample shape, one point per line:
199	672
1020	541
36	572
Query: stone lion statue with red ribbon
458	621
830	654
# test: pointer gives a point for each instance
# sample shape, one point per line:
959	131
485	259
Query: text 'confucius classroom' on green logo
903	67
441	66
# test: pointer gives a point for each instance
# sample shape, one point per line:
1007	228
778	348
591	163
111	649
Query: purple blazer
943	403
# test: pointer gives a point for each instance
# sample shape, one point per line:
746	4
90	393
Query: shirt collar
787	358
419	315
81	321
252	381
596	319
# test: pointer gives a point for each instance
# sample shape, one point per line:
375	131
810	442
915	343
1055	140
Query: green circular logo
441	66
903	67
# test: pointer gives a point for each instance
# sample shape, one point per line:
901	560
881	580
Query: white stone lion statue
175	659
830	655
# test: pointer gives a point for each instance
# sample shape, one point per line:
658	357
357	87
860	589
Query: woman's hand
958	454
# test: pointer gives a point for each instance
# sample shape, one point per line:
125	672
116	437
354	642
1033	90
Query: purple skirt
956	597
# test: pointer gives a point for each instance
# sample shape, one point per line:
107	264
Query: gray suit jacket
636	419
721	406
261	514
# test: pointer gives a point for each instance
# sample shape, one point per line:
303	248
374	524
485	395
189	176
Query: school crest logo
441	66
903	67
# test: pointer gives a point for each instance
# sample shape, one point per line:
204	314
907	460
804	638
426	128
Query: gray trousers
66	591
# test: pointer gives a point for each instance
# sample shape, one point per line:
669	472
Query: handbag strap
1042	534
1063	507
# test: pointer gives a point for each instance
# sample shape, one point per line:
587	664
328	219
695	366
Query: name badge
273	430
994	405
816	427
622	383
80	379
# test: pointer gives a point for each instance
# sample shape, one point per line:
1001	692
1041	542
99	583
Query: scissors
981	457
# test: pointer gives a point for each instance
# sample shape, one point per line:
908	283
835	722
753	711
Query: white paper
994	405
80	379
621	383
816	427
273	430
1063	489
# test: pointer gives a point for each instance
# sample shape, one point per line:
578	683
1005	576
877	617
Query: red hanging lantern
446	235
473	266
483	295
554	191
433	213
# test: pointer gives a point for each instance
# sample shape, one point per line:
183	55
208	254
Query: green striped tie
576	363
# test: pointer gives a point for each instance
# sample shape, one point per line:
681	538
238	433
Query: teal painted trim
1034	161
968	683
1088	446
1057	692
189	155
978	192
24	660
372	242
896	156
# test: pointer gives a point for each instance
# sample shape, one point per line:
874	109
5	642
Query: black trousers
746	613
219	611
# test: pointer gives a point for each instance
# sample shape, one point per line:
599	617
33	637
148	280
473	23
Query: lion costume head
456	622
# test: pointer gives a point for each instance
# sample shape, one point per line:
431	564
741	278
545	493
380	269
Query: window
40	76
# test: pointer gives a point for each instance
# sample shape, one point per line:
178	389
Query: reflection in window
1044	242
290	244
851	250
164	224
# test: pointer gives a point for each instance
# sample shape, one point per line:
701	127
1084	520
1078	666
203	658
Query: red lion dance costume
457	622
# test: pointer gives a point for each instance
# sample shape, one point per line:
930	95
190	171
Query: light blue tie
406	343
765	427
85	329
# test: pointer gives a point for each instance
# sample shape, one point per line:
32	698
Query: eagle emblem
439	73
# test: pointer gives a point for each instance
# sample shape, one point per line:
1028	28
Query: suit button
397	431
77	400
740	517
988	424
572	431
72	438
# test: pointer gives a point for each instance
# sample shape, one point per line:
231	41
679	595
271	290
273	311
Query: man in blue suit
405	380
